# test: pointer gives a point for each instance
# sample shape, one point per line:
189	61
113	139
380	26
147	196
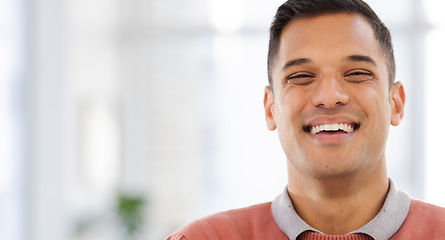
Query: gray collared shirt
381	227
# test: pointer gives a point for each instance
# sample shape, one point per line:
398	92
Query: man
332	98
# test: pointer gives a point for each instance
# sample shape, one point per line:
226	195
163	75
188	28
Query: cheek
289	111
297	114
296	98
375	103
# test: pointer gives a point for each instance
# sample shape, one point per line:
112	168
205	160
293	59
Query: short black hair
299	9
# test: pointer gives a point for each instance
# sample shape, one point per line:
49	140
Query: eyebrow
361	58
295	62
352	58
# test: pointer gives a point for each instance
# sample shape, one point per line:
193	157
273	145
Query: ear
397	95
268	108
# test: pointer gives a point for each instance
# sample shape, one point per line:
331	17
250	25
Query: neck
338	205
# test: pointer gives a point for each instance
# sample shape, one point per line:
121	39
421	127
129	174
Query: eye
358	75
301	78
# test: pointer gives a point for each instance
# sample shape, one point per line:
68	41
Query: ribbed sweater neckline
309	235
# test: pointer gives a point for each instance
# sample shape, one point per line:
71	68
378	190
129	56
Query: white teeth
314	130
347	128
332	127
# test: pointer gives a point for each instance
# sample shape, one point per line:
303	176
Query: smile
331	128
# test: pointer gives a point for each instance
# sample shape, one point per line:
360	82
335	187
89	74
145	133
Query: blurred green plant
130	211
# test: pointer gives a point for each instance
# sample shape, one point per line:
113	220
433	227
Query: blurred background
126	119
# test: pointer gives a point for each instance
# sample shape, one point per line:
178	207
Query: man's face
330	103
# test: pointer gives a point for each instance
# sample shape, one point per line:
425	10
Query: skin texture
330	69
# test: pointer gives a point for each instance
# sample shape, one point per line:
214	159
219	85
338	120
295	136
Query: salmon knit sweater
424	221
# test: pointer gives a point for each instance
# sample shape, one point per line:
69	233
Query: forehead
328	37
331	23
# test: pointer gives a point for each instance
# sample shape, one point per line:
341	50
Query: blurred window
434	103
11	221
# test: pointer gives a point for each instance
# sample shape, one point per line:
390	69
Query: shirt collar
383	226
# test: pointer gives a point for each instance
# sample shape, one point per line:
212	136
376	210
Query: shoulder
424	221
244	223
427	212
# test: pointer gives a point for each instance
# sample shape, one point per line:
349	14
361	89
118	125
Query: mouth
332	128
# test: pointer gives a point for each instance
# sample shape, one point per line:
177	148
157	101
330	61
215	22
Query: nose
329	93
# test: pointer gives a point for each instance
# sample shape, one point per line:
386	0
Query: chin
335	168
